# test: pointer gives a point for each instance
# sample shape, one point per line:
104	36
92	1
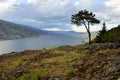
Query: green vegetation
32	65
71	72
100	37
58	63
34	75
86	18
112	35
98	61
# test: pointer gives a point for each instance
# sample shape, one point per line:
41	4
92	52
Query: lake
44	41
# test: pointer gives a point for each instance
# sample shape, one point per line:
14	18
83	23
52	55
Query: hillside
82	62
10	30
69	33
112	35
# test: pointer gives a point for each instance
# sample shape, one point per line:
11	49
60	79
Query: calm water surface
44	41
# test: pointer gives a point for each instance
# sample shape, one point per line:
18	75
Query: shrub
112	35
71	72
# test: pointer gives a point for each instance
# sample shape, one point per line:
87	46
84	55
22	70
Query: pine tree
100	37
85	18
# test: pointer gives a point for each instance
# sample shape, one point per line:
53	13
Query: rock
101	65
100	46
14	74
118	79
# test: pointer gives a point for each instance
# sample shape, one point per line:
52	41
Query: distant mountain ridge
68	33
9	31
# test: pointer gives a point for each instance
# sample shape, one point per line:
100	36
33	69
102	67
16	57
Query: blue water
44	41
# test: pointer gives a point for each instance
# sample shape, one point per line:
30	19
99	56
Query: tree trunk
89	36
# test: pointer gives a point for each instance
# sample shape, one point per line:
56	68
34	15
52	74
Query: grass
55	62
61	61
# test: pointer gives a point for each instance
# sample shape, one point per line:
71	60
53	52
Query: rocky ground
83	62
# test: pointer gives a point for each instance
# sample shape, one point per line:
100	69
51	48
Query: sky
55	15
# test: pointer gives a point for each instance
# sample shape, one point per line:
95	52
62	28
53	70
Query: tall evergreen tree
100	37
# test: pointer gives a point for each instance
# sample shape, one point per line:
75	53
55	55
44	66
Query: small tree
86	18
100	37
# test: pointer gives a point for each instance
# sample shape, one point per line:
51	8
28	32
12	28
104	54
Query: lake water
44	41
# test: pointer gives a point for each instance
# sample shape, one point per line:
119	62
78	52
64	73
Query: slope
112	35
10	31
82	62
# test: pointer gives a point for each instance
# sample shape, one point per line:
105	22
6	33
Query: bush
112	35
100	37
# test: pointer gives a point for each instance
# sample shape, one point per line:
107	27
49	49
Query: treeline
104	35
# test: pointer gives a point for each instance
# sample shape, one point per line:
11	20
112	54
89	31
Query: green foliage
59	62
86	18
112	35
71	72
100	37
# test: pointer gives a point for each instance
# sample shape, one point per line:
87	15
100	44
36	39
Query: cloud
113	10
114	4
83	4
2	0
78	29
56	13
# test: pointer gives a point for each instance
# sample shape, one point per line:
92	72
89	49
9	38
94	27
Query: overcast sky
56	14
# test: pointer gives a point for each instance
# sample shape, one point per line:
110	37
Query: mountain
9	30
82	35
68	33
76	34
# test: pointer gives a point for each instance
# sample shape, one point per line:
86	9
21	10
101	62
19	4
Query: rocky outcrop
103	65
14	74
100	46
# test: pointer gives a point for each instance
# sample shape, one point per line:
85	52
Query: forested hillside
10	31
112	35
